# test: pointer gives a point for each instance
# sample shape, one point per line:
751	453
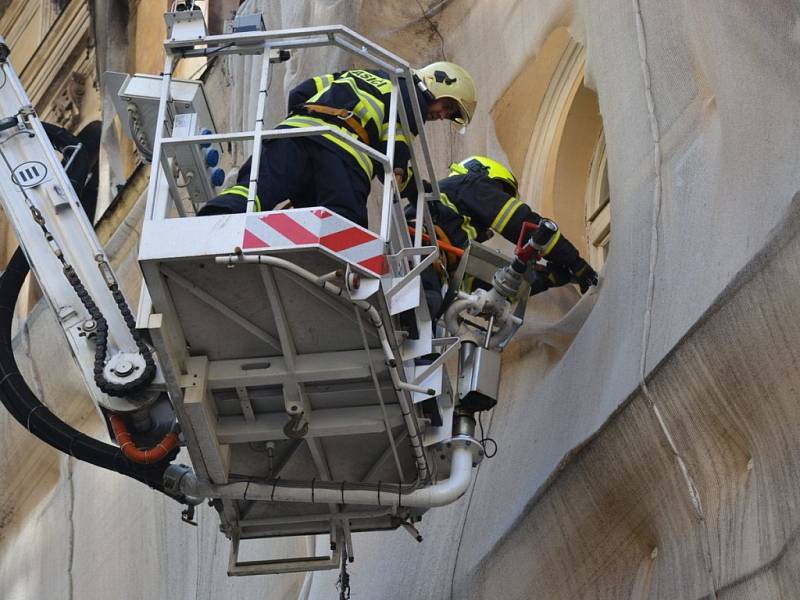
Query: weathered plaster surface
586	498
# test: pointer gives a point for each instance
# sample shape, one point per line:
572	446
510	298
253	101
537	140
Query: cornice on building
15	19
69	33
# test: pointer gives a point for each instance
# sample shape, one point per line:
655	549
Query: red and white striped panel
315	226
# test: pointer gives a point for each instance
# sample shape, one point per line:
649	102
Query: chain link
343	583
101	337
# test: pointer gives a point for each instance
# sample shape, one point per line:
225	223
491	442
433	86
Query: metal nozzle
507	281
545	232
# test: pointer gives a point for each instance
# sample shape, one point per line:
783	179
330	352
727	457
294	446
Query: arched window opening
598	207
562	161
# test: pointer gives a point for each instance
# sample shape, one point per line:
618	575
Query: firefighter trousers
305	172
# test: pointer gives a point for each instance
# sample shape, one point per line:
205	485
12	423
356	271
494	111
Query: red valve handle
525	251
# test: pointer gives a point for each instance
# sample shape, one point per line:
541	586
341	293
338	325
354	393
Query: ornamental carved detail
66	106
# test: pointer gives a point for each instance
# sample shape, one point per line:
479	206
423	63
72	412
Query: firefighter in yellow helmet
480	197
324	170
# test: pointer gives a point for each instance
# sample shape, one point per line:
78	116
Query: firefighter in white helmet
324	170
443	81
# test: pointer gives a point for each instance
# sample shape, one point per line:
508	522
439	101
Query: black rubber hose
26	408
16	395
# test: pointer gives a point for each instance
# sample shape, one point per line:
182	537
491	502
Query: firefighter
479	198
323	170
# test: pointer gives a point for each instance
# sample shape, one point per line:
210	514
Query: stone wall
603	487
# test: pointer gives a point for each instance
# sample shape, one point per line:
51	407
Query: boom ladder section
59	240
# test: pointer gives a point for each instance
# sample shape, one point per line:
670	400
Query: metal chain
343	583
101	337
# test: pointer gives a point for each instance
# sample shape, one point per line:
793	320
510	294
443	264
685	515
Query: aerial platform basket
296	346
276	376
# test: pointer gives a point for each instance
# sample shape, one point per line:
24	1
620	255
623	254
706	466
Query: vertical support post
422	213
412	90
200	409
401	230
348	540
388	177
157	205
255	162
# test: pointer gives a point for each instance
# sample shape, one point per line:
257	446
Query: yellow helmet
492	168
449	80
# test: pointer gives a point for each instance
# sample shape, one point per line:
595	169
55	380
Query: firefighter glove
584	274
550	276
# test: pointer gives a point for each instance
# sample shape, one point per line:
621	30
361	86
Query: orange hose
129	449
443	245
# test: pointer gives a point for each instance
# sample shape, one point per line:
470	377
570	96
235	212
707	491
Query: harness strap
342	114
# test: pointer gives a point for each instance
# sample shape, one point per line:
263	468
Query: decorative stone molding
564	169
598	205
68	36
540	161
66	106
15	19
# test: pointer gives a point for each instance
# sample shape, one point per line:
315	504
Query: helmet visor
458	113
449	108
462	113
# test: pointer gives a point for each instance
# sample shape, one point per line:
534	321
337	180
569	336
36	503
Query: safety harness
344	115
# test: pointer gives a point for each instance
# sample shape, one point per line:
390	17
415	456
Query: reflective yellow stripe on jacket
551	244
466	226
384	86
369	108
361	158
241	190
504	215
398	134
322	82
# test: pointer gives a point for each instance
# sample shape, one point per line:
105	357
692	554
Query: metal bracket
431	253
519	312
187	516
455	344
479	261
245	403
473	445
187	25
367	286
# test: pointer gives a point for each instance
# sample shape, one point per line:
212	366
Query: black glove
410	192
551	276
584	274
565	255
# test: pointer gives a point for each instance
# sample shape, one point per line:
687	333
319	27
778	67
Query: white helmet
449	80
